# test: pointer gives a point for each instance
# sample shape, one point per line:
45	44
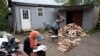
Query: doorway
74	17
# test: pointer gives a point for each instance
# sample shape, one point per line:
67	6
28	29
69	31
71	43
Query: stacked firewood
72	30
66	44
67	33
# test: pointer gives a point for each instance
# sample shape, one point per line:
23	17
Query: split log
66	44
72	30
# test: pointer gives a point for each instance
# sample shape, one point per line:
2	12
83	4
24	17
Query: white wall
90	18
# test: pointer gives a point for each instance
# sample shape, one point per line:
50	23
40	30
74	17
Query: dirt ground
89	46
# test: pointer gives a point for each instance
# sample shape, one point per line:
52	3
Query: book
40	48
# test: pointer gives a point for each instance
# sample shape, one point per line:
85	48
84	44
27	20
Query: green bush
3	24
3	13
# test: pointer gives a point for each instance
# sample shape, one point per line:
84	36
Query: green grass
94	30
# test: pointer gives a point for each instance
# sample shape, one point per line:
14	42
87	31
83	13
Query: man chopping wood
56	25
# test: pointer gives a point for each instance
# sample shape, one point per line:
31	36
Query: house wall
96	16
90	18
36	21
18	18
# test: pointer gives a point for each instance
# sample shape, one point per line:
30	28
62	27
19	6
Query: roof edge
34	5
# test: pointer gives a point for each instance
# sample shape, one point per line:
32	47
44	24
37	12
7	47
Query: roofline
34	5
78	7
90	5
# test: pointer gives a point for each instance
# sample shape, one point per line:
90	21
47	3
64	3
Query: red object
33	39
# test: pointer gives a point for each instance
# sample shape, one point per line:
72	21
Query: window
25	13
40	11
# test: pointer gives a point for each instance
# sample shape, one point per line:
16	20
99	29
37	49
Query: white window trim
42	11
22	13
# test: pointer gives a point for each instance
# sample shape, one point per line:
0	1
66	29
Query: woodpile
68	36
72	30
66	44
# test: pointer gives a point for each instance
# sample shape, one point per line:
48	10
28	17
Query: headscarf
39	38
33	38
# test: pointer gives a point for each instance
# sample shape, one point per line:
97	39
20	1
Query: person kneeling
33	46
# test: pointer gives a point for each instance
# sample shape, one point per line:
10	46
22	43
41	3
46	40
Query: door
25	19
69	17
77	17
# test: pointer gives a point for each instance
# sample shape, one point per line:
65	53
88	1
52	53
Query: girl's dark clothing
29	50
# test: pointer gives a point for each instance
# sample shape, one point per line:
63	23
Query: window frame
22	16
40	11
